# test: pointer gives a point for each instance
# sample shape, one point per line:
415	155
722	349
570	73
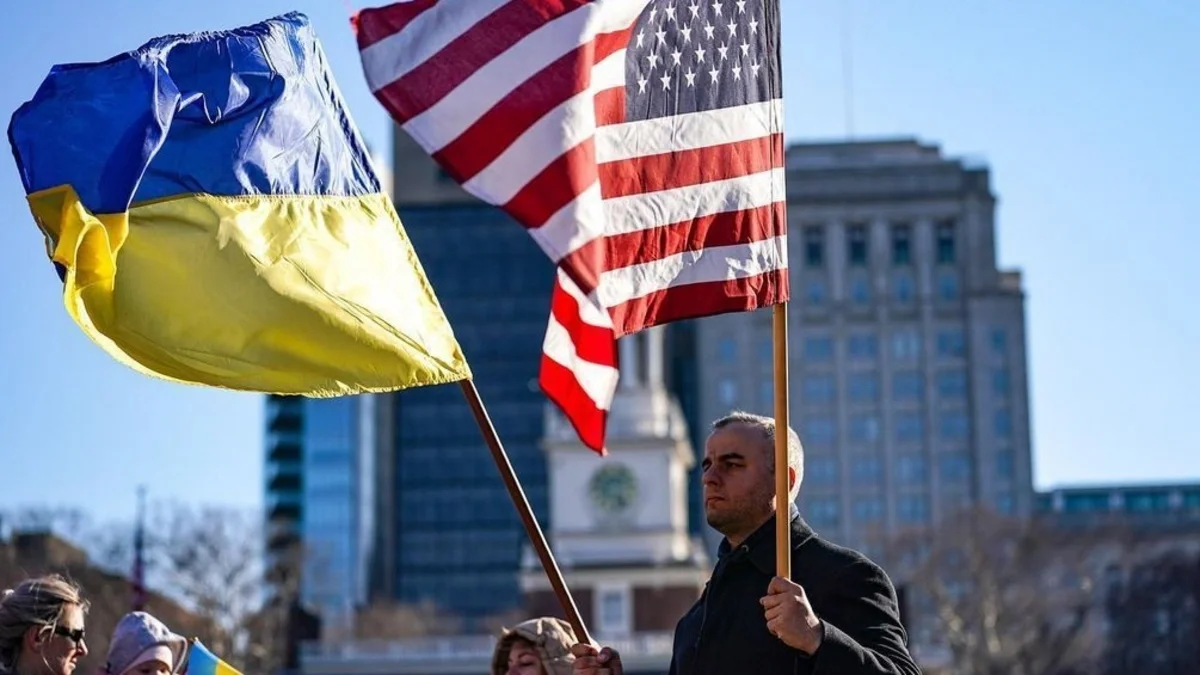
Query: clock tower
619	524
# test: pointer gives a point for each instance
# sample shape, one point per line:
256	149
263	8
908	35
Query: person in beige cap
540	646
143	645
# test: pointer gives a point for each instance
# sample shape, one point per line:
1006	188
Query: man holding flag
836	614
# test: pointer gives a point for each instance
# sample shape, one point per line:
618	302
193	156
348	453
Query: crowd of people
836	613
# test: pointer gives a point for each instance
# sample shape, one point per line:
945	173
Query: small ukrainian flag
215	219
200	661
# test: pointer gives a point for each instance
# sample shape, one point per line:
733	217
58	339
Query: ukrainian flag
200	661
215	219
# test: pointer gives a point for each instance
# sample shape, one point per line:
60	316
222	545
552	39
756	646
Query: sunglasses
76	635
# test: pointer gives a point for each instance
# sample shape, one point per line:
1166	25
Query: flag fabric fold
201	661
215	219
640	142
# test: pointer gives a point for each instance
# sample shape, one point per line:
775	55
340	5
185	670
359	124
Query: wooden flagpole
783	538
532	529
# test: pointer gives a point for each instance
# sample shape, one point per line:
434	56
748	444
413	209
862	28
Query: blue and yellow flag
200	661
216	219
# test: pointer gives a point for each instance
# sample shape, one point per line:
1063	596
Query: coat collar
759	547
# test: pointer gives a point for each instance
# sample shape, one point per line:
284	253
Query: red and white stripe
523	102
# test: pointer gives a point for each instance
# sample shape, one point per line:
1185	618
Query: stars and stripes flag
640	142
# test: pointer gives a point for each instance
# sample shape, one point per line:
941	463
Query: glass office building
321	499
457	537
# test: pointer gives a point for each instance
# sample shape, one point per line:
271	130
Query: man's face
739	486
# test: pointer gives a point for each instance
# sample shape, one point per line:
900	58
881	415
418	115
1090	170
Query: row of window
910	469
907	426
858	244
907	385
910	509
480	505
903	289
460	548
905	344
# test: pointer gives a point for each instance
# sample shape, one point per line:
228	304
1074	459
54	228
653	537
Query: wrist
818	637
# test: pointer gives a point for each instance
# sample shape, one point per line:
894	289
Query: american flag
640	142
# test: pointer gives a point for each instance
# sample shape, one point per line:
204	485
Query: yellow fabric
309	295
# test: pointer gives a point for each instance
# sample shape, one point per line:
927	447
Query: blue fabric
248	111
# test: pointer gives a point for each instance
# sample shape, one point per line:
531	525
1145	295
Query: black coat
725	632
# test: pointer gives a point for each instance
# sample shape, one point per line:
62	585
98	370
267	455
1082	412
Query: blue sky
1086	113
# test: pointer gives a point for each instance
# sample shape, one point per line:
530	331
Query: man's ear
791	478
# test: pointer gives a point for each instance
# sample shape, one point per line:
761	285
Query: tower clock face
613	489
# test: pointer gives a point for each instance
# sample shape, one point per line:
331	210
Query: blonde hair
38	602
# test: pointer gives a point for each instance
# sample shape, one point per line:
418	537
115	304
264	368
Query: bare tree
211	560
1006	596
388	620
1154	617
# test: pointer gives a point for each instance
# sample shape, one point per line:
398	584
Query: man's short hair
766	425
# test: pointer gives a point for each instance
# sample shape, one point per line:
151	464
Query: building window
766	351
1003	424
864	387
951	343
907	385
902	288
999	341
1005	504
821	471
906	344
1000	383
948	286
866	470
766	393
727	350
727	391
911	470
817	388
863	346
613	610
1004	464
864	428
856	236
823	512
819	430
901	245
814	246
952	384
913	509
910	426
953	425
815	292
818	349
868	509
945	243
860	290
955	467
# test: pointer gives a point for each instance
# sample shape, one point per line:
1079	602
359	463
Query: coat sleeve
863	634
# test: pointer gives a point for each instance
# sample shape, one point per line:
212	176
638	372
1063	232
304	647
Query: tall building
455	537
323	470
907	356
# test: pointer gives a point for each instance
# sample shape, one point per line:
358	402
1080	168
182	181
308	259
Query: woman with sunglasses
41	627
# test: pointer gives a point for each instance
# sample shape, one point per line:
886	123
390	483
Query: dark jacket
725	632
